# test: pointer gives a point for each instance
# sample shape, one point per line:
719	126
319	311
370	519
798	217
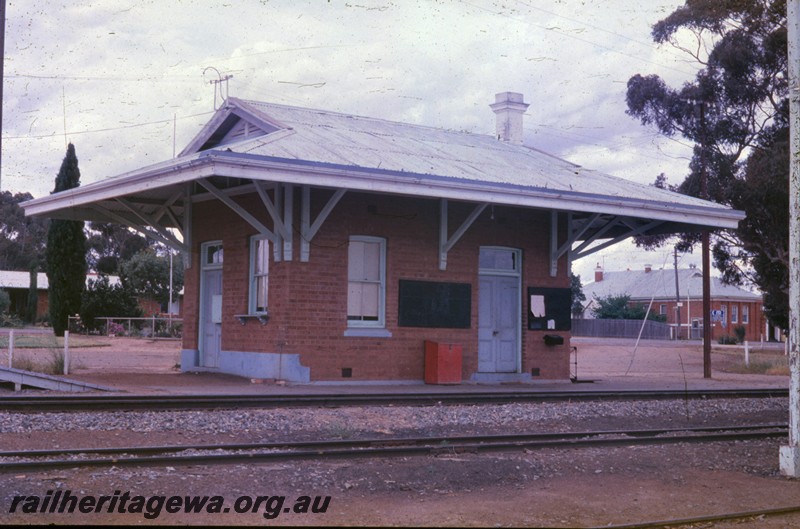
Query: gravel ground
570	487
351	421
534	488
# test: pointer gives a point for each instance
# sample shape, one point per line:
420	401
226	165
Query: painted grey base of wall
252	365
499	378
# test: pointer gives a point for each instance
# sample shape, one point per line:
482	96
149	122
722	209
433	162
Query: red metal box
442	363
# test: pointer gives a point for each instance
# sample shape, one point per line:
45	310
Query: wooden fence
653	330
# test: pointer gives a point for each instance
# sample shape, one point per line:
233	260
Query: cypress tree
66	253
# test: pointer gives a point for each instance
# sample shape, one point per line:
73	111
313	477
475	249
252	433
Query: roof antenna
216	82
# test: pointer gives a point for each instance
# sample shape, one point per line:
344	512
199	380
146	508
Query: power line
53	77
575	37
109	129
598	28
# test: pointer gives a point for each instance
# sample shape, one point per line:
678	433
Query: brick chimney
598	273
509	108
648	268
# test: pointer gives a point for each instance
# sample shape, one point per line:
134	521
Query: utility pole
706	251
677	295
790	454
2	74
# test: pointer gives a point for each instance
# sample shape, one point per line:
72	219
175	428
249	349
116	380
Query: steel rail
377	441
61	403
741	515
389	447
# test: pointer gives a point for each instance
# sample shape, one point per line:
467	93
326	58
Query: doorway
210	339
499	310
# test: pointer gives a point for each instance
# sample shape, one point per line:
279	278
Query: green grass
53	365
760	364
45	341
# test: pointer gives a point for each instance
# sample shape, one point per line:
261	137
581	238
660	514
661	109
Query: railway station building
328	247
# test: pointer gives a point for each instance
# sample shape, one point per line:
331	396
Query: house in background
17	284
732	306
329	247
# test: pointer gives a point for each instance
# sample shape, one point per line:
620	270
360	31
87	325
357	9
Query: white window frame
252	305
745	313
372	328
734	313
662	309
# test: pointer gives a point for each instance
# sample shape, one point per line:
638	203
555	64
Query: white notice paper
537	306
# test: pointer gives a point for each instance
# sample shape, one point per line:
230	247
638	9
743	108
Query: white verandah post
790	454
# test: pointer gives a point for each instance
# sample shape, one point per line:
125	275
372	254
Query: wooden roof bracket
445	243
187	225
239	210
274	210
573	235
161	236
308	230
583	250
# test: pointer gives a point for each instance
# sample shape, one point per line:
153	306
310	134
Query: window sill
367	333
262	318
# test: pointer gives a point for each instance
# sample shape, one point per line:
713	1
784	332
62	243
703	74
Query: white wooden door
498	324
211	305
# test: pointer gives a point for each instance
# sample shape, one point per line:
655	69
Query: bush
739	331
9	320
727	340
102	299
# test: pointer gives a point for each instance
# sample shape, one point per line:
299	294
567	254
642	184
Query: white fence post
746	354
11	348
66	352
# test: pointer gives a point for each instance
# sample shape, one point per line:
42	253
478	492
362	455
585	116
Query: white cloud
131	68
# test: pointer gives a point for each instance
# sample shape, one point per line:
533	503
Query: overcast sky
116	78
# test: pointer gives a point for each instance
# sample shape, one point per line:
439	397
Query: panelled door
211	304
499	310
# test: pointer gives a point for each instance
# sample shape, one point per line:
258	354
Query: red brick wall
694	310
308	301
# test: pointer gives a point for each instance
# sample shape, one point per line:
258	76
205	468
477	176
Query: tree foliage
109	244
65	253
21	238
5	301
578	297
102	299
147	274
763	195
734	109
620	308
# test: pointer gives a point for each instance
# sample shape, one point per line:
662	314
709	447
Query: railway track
68	403
32	460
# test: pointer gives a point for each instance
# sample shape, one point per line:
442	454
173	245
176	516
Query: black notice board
557	307
434	304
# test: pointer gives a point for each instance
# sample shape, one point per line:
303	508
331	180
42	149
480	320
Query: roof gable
231	124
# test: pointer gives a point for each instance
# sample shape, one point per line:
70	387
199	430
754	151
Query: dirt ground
542	488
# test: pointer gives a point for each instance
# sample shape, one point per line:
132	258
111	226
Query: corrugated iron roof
343	139
248	141
642	286
15	279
